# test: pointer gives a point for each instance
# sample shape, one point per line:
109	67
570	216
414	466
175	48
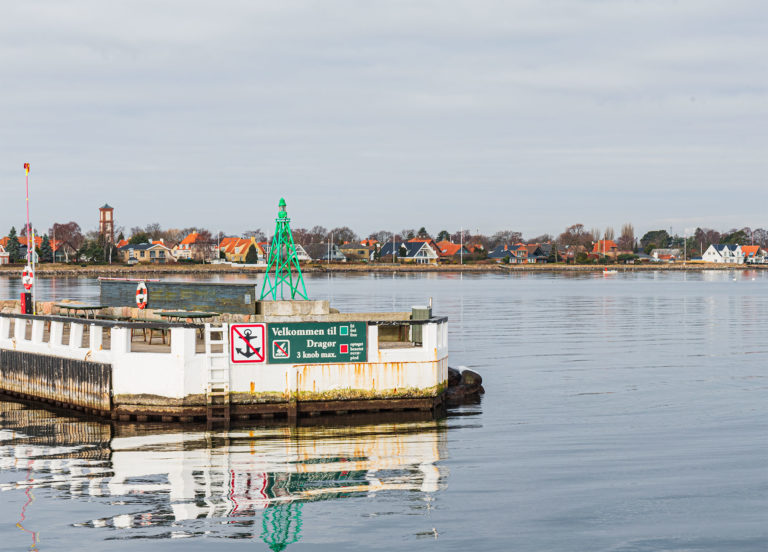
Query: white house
723	253
415	252
5	257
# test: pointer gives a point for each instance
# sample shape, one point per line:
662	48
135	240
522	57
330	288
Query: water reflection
252	483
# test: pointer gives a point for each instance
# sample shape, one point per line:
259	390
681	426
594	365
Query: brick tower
107	223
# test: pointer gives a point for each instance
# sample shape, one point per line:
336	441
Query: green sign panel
317	342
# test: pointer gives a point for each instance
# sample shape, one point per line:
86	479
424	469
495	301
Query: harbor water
623	412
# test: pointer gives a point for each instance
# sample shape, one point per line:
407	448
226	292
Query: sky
382	115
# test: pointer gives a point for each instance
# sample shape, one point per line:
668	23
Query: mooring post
20	329
5	327
75	335
95	338
38	327
183	343
57	334
120	340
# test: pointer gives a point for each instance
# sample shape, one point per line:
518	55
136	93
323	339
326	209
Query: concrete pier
177	372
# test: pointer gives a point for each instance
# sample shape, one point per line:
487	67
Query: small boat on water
612	271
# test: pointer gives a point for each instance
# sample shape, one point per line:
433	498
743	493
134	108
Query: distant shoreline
93	271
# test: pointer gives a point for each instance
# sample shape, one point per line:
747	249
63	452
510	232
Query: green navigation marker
282	260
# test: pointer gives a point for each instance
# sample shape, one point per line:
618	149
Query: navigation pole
28	275
282	259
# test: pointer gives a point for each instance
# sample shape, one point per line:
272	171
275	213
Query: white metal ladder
217	363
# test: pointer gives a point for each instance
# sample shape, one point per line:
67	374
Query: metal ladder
217	363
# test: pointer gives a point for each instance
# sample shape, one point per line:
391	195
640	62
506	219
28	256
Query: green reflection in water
160	482
281	525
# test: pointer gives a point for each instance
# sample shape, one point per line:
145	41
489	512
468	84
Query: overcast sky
520	115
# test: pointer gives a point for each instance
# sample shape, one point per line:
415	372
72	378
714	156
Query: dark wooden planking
186	296
75	382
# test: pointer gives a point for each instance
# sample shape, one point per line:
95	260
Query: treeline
694	245
76	244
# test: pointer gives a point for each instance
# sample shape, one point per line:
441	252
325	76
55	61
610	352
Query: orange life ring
142	295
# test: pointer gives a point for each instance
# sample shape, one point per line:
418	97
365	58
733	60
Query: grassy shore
123	271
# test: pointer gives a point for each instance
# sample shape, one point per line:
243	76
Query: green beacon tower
282	259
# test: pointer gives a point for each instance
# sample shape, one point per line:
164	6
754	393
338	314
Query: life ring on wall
142	295
28	278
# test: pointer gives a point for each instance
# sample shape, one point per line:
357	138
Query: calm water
624	413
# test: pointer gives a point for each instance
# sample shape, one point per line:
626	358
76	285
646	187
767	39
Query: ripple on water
621	414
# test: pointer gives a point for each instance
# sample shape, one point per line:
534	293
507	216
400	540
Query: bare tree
172	236
408	233
300	236
544	238
609	234
576	235
704	237
460	236
68	234
318	234
202	248
23	230
154	230
344	234
627	239
480	239
257	234
381	236
760	237
504	237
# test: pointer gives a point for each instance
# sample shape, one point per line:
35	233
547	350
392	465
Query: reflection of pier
256	479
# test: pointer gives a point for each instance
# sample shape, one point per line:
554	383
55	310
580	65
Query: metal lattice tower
282	260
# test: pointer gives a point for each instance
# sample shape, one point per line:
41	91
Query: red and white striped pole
26	170
28	275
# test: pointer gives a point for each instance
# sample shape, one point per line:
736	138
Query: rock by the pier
470	378
462	392
454	377
464	385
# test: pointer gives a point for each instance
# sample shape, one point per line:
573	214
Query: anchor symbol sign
247	342
250	350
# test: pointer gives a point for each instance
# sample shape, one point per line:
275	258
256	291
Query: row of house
61	252
416	250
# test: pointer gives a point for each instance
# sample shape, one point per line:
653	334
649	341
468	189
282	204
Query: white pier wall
54	346
173	375
387	372
183	372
